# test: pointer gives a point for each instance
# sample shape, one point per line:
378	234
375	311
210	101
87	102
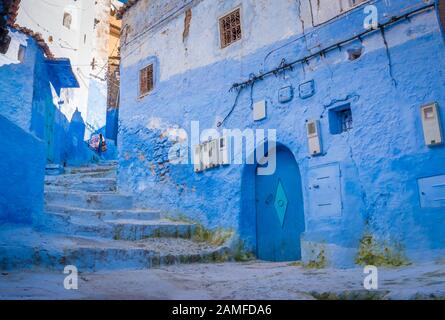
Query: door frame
278	146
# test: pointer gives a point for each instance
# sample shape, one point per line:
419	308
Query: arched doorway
280	210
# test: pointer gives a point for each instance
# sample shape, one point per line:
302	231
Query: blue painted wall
22	170
380	160
112	123
68	142
17	81
25	96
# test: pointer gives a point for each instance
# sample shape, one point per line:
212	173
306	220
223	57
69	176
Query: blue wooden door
280	211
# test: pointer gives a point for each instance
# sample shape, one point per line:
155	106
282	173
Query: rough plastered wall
22	154
25	96
17	80
380	160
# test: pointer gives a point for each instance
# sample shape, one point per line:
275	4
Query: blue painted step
85	184
90	169
89	200
24	248
135	214
137	230
119	229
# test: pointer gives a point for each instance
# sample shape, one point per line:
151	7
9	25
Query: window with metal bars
146	81
230	28
340	119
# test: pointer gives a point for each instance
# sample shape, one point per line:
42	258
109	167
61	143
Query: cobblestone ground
253	280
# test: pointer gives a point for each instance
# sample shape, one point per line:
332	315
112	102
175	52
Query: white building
78	30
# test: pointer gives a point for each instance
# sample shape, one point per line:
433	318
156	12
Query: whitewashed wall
159	30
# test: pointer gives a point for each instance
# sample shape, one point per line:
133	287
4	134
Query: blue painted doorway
280	210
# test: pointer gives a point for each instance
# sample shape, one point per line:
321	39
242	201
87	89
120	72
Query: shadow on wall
22	170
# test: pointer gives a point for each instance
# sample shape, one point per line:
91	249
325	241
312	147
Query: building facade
113	75
353	89
80	31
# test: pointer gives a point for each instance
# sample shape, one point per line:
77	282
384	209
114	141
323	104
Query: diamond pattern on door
281	203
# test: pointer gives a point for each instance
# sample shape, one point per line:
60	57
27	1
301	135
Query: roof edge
127	6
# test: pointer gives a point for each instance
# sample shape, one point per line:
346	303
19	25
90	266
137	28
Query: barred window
146	82
230	28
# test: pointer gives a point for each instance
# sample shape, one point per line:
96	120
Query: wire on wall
289	66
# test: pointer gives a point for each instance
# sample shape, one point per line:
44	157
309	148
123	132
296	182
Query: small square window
67	19
230	28
21	53
340	119
146	81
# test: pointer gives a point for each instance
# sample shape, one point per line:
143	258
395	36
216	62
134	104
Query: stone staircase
89	224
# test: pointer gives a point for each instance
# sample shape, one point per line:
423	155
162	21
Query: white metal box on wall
224	151
213	153
314	137
432	130
197	159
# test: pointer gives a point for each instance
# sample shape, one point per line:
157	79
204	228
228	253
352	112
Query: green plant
319	263
216	237
372	253
351	295
240	254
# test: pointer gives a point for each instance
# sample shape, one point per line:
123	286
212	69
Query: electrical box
286	94
324	191
213	153
432	130
224	151
314	137
307	89
432	192
205	155
197	159
259	110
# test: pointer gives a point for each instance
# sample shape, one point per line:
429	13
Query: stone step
89	200
81	176
130	229
54	169
27	249
117	229
134	214
90	169
108	163
86	184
